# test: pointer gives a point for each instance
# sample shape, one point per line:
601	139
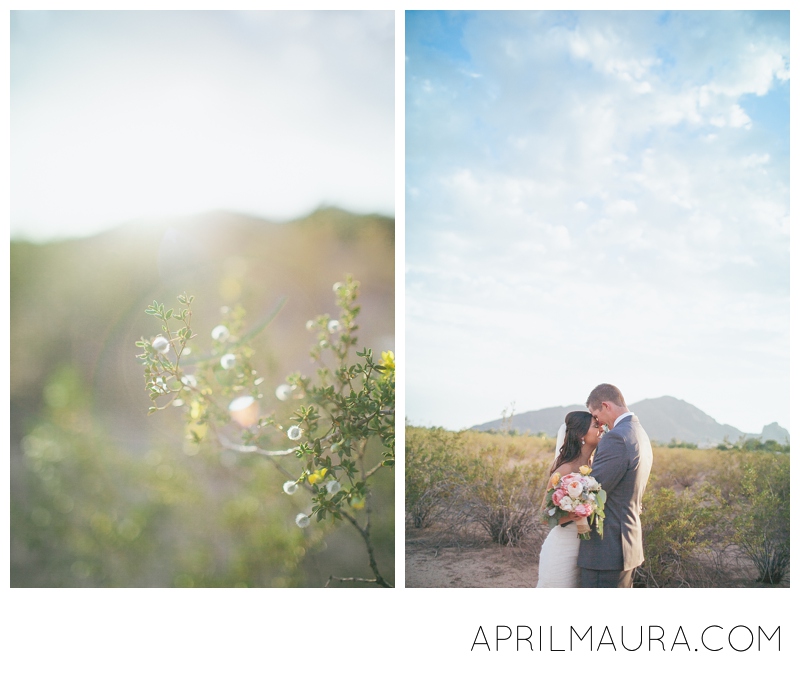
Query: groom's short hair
605	393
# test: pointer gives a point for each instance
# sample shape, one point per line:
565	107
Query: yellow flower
195	410
317	476
387	359
585	470
554	479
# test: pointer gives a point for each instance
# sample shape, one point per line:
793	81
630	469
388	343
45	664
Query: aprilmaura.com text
712	638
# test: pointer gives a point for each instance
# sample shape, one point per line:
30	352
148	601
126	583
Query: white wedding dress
558	560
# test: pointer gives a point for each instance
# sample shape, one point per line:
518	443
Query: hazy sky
597	197
120	115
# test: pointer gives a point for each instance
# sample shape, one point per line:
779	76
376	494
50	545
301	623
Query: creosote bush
459	479
328	424
700	527
711	518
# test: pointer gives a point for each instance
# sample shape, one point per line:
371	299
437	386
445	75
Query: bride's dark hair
578	424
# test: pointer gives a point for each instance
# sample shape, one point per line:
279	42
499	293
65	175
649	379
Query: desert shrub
504	501
476	478
675	443
760	513
674	529
434	468
94	516
682	467
701	506
343	415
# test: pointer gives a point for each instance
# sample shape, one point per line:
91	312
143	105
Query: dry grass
704	510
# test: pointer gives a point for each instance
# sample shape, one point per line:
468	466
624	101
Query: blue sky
597	196
123	115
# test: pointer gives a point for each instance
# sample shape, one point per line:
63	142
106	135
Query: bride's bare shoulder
563	470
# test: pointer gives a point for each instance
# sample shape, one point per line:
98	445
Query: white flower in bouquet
566	503
575	488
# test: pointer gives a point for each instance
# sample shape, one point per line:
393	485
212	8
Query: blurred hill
665	418
81	302
79	305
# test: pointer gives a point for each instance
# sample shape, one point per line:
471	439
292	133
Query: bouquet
577	493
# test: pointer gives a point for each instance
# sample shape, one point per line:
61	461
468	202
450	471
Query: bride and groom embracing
620	461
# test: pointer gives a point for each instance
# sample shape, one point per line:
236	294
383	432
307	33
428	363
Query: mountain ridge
665	419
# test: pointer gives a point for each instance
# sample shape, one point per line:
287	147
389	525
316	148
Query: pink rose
582	510
558	495
569	478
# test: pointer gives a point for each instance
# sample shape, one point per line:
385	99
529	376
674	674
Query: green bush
673	534
703	507
504	501
88	514
433	469
475	478
342	413
761	514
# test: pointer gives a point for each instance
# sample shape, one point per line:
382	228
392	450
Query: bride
558	561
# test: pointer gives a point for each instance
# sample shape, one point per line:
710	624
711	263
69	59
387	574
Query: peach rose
575	488
582	510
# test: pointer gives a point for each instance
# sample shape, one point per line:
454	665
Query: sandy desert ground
438	559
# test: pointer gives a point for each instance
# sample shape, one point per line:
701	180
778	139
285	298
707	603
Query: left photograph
202	376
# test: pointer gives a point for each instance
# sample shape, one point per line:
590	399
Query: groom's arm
610	462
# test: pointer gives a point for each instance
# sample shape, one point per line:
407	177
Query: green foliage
710	517
433	469
679	443
89	514
340	411
503	500
673	533
76	307
703	507
754	445
760	507
470	478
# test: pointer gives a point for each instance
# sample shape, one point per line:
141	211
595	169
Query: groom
621	465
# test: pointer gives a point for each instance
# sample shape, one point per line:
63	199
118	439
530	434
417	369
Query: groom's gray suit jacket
622	466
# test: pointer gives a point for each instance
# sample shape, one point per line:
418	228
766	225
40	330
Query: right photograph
597	299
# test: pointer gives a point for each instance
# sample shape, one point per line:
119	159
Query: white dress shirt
621	417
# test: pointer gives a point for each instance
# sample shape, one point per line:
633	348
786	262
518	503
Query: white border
365	631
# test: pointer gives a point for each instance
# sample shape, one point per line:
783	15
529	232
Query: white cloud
585	192
738	118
